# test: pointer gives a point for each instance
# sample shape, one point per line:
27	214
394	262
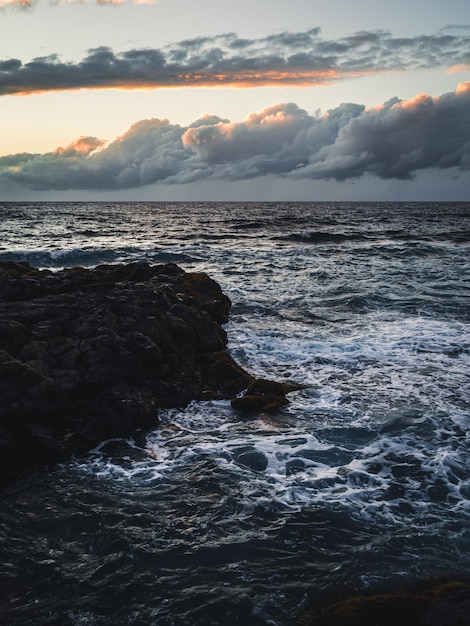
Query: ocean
362	481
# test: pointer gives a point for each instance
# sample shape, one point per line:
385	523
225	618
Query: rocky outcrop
423	604
264	395
87	355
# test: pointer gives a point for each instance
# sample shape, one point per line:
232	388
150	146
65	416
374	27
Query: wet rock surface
87	355
423	604
266	396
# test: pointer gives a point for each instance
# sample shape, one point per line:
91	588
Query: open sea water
363	480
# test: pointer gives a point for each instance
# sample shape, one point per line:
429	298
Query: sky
217	100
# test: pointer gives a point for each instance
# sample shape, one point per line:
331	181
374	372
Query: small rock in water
253	459
294	467
265	396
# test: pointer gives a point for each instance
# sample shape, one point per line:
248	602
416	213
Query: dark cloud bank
304	58
393	140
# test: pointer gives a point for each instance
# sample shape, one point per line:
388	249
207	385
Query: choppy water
363	479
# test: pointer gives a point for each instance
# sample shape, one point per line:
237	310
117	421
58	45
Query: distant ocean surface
363	480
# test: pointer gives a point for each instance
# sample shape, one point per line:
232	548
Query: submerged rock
253	459
90	354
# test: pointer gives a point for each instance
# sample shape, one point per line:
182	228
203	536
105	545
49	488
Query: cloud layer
304	58
393	140
18	4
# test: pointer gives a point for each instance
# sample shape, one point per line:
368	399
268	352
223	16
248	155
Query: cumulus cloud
81	146
300	59
393	140
260	133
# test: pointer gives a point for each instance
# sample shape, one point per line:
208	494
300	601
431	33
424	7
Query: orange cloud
22	4
459	68
241	80
393	141
286	59
83	146
422	99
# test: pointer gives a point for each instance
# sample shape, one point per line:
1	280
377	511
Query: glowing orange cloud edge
464	67
18	3
243	80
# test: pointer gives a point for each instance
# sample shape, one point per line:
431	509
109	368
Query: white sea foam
375	475
381	428
364	476
417	361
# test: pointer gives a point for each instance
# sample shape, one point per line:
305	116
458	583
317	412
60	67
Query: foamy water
364	478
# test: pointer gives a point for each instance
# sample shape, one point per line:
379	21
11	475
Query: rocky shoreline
91	354
420	603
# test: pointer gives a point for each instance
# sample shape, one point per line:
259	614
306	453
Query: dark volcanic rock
264	395
253	459
427	604
87	355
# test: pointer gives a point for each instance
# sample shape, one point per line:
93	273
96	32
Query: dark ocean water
363	480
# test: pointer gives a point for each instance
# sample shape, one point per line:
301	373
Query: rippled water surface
363	479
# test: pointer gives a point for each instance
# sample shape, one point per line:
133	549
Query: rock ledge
90	354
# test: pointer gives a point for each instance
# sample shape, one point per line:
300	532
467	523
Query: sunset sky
253	100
